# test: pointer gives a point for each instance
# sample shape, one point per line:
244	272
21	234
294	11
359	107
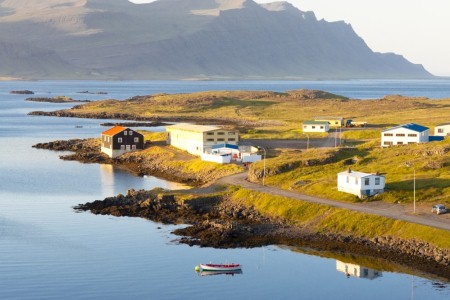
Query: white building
198	139
316	126
405	134
357	270
360	184
226	153
442	130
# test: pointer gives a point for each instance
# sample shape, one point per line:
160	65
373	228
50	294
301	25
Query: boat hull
220	267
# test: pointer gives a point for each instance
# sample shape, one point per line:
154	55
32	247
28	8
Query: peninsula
238	216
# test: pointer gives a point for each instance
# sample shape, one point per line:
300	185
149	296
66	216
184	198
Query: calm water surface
47	251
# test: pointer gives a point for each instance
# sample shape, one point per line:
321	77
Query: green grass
430	160
321	218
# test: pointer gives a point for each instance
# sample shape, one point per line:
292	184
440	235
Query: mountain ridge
178	39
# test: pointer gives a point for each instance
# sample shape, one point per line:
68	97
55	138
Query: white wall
445	130
220	159
316	127
356	184
397	139
249	158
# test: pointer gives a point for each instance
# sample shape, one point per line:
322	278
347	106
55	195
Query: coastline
218	222
215	220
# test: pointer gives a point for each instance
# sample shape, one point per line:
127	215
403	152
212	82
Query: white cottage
442	130
360	184
316	126
405	134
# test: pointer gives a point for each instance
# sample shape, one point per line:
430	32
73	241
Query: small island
22	92
58	99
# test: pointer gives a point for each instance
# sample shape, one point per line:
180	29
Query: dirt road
393	211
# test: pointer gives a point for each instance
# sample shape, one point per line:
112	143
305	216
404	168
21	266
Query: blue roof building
405	134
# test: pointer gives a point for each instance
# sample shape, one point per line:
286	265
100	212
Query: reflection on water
107	179
356	270
117	180
210	273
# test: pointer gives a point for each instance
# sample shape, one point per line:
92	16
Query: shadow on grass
421	184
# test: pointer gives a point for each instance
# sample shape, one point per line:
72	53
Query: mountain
178	39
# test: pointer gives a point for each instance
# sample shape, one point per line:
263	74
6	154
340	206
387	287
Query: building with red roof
119	140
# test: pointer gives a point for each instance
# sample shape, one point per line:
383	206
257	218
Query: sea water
49	251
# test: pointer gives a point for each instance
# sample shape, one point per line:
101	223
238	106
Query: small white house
405	134
360	184
442	130
316	126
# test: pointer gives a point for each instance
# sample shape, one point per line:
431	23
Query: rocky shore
215	221
158	161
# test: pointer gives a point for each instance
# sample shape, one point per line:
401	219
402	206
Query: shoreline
216	221
231	226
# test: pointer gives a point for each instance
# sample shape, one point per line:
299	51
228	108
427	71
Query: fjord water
48	251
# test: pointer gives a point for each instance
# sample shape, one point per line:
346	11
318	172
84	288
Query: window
136	140
232	139
210	133
125	132
220	140
388	143
231	133
440	130
366	181
133	147
399	134
131	132
410	143
399	143
377	180
412	134
336	122
305	126
313	127
122	147
365	272
210	140
321	127
221	133
388	134
119	140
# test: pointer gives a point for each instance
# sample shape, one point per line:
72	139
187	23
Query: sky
419	30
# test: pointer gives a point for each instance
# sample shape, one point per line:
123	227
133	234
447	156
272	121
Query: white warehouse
360	184
405	134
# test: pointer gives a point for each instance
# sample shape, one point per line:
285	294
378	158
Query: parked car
439	209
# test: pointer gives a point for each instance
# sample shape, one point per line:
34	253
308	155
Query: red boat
220	267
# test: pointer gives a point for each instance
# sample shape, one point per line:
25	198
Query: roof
328	118
113	131
435	138
193	127
410	126
444	124
357	174
218	146
311	122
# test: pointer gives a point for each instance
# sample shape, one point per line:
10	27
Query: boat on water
220	267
